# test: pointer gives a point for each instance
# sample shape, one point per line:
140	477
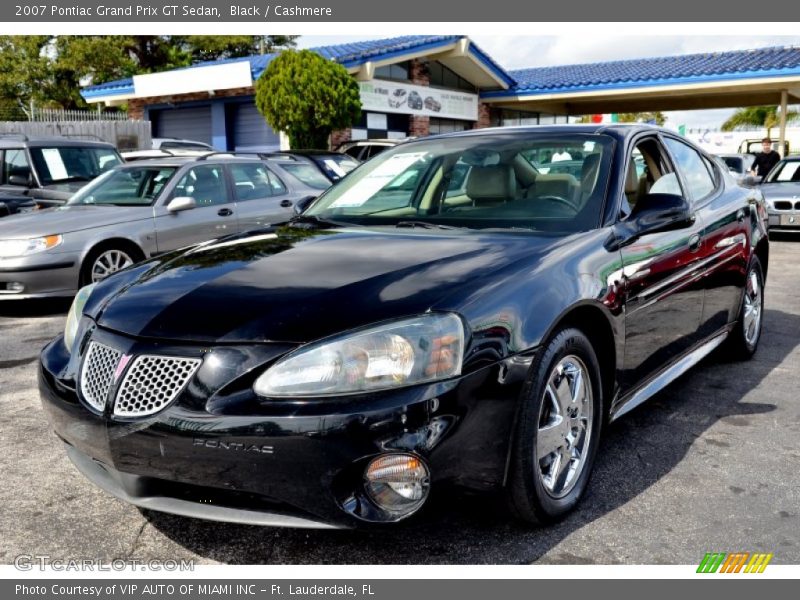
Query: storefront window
441	76
395	71
448	125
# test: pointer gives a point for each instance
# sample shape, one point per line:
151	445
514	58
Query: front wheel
743	340
558	429
104	262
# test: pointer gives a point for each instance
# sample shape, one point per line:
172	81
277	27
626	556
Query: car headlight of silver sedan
74	315
397	354
25	247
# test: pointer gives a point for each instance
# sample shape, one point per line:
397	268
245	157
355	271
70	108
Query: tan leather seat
491	185
632	184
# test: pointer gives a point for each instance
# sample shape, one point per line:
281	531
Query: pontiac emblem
123	362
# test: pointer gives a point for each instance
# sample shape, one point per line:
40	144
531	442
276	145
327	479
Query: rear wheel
743	340
558	429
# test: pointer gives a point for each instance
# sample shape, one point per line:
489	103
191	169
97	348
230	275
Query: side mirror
654	213
301	205
750	181
181	203
19	180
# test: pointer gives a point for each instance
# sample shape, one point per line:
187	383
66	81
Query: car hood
68	219
780	190
294	285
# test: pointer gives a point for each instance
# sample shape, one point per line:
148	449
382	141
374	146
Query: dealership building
421	85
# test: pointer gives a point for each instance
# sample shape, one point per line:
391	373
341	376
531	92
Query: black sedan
413	329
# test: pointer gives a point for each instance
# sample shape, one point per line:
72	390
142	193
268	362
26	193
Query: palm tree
758	116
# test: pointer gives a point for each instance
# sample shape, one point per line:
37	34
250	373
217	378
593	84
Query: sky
515	52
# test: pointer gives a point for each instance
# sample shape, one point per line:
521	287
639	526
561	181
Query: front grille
98	373
783	205
797	205
151	383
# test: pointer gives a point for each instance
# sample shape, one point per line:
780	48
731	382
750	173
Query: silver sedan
139	210
781	189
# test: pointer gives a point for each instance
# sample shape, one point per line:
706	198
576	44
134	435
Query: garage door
250	130
184	123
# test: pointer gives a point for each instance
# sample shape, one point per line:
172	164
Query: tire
539	489
742	342
104	261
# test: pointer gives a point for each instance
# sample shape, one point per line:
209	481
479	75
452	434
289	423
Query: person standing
765	160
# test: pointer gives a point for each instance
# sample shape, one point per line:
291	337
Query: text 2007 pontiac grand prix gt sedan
445	314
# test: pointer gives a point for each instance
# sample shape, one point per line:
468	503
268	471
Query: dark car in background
447	314
414	101
781	188
38	172
740	166
139	210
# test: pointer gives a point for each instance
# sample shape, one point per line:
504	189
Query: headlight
74	316
418	350
12	248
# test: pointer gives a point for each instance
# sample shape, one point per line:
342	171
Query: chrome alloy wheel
109	262
565	426
752	308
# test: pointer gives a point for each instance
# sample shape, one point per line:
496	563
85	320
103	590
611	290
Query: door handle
694	242
224	212
286	203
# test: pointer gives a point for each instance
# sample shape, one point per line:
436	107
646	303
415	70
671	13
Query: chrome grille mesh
97	374
151	383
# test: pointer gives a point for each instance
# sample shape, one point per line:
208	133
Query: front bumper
784	220
222	453
39	276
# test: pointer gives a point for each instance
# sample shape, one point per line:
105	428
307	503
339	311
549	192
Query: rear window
307	174
72	163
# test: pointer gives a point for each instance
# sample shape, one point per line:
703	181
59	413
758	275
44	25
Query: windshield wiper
425	225
315	220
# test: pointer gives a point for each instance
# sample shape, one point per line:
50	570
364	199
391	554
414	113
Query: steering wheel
559	200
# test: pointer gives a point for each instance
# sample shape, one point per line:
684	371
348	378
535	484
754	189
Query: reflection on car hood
780	190
67	219
294	285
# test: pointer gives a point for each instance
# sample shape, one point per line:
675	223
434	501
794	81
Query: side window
647	172
695	172
277	185
251	181
15	165
206	184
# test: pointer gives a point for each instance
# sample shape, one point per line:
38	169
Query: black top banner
209	11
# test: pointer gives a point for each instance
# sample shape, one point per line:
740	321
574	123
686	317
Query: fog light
15	287
397	483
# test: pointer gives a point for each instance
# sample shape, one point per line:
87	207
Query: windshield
307	174
335	166
486	181
72	163
137	186
785	171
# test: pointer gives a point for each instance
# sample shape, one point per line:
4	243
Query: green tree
50	70
758	116
307	96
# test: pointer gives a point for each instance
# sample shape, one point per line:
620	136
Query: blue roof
349	55
666	70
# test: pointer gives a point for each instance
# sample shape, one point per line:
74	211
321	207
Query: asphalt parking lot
710	464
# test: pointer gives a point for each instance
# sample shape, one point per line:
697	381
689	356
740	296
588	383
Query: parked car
334	369
333	165
433	104
740	166
37	172
136	211
781	187
753	145
414	101
168	143
365	149
135	155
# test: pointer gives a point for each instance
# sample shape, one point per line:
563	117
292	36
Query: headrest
494	182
